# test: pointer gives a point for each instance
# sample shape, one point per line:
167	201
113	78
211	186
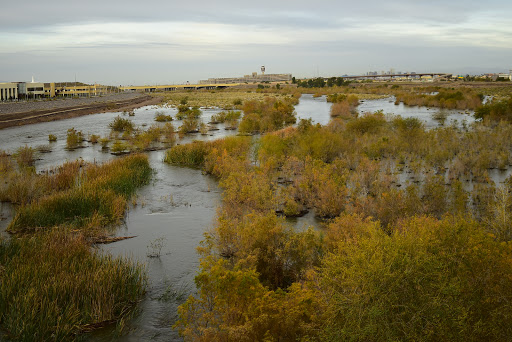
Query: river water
174	210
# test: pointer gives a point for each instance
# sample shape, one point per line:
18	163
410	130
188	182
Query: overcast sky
168	41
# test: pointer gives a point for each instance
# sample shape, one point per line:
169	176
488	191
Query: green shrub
121	125
161	117
74	139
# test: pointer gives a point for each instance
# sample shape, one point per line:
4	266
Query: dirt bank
71	109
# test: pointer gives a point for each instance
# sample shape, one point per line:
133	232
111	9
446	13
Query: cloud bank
134	42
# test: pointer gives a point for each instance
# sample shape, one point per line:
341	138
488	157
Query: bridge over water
174	87
409	76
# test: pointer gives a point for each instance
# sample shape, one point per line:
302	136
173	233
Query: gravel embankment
29	106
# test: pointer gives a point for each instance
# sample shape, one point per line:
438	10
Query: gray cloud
164	41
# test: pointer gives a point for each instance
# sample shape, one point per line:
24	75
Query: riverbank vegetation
91	198
53	285
401	206
126	138
267	115
228	99
496	110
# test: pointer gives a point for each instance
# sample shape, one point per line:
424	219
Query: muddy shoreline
72	111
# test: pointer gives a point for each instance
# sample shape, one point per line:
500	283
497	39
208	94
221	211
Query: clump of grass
185	112
104	143
6	163
203	128
155	247
77	207
168	136
121	125
55	287
440	116
74	139
189	125
44	149
119	146
195	153
229	116
94	138
161	117
22	187
25	156
191	155
52	138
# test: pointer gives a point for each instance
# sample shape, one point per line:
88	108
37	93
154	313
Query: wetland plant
25	156
155	247
121	125
98	197
74	139
54	287
161	117
44	149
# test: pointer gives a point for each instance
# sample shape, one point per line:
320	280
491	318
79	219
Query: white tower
263	70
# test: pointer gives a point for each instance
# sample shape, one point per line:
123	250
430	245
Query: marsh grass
74	139
228	98
94	138
121	125
25	156
191	155
161	117
99	197
55	287
44	149
6	163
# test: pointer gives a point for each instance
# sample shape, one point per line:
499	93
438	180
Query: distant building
8	91
81	90
253	78
31	90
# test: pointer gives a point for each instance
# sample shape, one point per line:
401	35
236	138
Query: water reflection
432	117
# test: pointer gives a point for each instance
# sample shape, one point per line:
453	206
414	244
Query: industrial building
253	78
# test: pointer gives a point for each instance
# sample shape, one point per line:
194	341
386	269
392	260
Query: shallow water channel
173	211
